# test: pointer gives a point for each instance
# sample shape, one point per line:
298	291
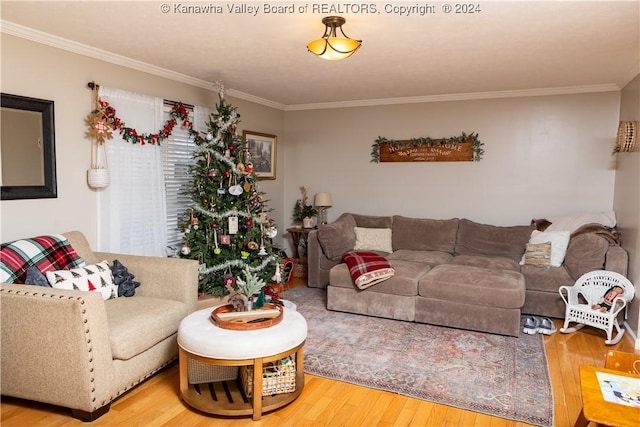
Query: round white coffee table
201	340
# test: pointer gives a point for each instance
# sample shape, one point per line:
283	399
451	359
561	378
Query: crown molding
569	90
103	55
41	37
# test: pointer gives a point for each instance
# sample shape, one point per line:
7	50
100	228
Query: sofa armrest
167	278
55	346
617	259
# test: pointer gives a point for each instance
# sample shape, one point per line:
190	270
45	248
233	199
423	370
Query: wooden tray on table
226	318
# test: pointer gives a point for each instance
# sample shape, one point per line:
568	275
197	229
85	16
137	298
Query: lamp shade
323	200
334	48
334	44
627	136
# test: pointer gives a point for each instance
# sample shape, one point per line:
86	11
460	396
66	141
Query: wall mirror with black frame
27	148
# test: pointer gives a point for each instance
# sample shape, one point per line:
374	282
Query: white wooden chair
587	292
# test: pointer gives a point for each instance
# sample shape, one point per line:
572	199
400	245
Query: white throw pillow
91	278
559	243
573	222
373	239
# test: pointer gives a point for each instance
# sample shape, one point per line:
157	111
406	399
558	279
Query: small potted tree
302	212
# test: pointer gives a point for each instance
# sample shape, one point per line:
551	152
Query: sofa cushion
373	239
48	253
424	234
137	324
474	285
432	258
546	279
490	262
338	237
372	221
89	278
585	253
481	239
404	282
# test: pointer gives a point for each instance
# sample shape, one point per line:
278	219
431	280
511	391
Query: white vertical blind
177	158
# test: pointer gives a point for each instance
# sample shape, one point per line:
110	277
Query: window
177	158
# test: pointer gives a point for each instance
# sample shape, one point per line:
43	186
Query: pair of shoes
547	327
531	325
534	325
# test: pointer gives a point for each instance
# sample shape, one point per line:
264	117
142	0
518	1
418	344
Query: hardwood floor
326	402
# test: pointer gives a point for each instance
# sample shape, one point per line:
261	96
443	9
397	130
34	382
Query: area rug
506	377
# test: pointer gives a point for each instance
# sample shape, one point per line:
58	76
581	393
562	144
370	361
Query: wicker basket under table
277	377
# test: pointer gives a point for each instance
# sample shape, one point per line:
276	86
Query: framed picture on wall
262	149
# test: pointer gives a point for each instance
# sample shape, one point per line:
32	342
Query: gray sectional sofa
453	272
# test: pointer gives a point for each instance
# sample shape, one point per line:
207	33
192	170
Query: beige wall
544	156
627	200
36	70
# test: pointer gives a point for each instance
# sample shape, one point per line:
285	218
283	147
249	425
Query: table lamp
322	201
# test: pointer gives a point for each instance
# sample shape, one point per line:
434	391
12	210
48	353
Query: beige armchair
73	349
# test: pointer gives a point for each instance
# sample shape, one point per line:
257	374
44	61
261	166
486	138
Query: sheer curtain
132	209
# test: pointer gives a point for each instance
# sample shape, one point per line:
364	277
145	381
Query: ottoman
469	297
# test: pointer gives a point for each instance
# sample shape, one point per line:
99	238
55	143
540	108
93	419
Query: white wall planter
98	178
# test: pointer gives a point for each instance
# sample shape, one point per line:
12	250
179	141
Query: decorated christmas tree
227	227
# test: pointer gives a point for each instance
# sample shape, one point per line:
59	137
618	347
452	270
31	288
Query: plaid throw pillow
47	253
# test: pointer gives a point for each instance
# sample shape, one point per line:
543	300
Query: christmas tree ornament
233	225
262	251
277	277
271	232
186	250
225	239
253	245
247	186
244	255
209	137
249	168
240	167
236	190
248	223
228	279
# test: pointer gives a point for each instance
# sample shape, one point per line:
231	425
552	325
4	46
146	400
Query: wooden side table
298	234
598	410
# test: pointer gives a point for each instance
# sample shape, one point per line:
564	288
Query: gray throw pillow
35	277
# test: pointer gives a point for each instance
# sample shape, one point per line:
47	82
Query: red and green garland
104	119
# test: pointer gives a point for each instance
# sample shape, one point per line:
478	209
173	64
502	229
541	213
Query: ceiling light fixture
330	46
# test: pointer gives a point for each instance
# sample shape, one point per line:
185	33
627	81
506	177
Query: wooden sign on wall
463	148
460	152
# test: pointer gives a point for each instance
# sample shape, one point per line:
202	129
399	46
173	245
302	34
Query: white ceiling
506	46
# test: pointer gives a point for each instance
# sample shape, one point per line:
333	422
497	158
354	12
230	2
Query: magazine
620	389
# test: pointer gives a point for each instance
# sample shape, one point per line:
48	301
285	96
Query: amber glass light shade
331	46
